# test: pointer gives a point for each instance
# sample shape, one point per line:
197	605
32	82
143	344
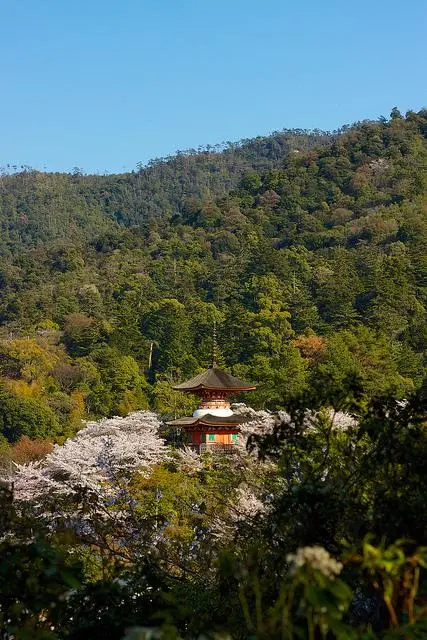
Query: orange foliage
27	450
311	347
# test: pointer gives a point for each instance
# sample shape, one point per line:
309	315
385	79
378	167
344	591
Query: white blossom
96	456
342	421
247	504
318	558
189	460
258	423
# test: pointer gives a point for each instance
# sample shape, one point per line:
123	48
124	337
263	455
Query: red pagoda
213	426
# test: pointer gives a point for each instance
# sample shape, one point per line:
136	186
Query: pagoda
213	426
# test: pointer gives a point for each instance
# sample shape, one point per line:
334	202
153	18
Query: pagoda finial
214	345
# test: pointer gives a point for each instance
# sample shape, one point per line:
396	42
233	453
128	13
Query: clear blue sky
104	84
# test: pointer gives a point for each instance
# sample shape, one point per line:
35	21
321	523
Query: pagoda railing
214	447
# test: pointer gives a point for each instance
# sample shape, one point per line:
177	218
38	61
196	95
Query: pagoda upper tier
214	379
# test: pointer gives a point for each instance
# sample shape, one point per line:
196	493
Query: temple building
213	426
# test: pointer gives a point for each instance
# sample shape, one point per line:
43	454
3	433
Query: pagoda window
211	437
234	437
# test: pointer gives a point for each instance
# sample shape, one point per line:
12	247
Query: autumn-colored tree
311	347
27	450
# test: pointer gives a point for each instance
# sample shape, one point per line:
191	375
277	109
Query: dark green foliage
34	576
112	606
328	501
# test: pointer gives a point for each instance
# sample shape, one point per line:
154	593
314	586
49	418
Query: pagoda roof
208	420
215	379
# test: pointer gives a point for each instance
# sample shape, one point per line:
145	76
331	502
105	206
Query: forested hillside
312	264
40	207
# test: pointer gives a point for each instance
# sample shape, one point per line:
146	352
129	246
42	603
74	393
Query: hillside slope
38	207
314	272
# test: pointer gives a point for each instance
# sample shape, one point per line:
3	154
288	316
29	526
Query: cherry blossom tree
84	484
99	454
257	423
262	423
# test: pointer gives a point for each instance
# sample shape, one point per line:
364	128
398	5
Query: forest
307	251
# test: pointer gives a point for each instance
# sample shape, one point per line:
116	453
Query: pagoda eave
203	429
205	423
196	390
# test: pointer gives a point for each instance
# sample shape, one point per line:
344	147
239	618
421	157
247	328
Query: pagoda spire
214	346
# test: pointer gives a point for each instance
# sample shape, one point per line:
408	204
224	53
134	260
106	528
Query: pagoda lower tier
209	431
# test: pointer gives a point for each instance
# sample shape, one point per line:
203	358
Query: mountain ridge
31	201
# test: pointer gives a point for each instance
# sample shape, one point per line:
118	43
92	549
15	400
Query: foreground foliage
318	529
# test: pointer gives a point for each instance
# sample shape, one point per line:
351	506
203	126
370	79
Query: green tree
278	377
167	325
364	354
26	417
81	333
